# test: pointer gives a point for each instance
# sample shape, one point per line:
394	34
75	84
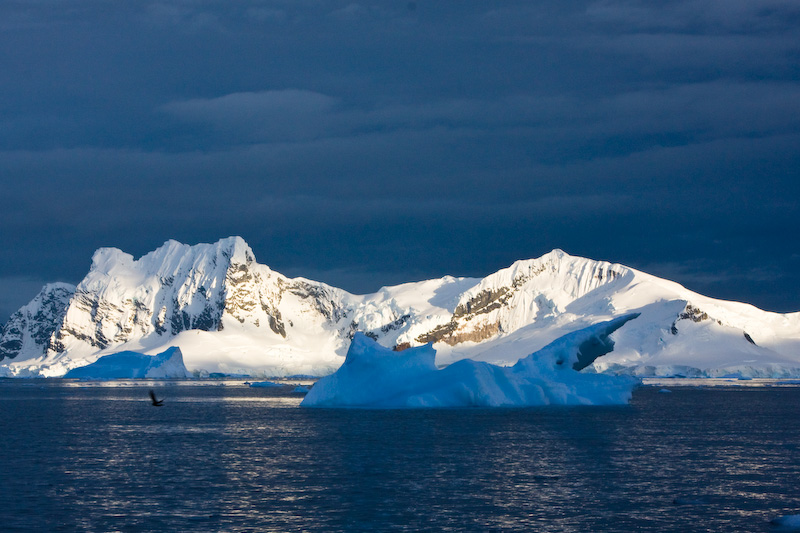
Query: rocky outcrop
29	331
517	296
696	315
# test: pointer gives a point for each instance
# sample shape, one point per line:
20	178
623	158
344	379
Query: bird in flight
157	403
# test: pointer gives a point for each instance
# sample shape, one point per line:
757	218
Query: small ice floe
265	384
301	390
789	522
665	391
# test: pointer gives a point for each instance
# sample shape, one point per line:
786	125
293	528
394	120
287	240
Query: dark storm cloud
367	141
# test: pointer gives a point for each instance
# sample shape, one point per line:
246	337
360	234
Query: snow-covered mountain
30	329
230	314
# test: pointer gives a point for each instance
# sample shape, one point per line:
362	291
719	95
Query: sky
372	143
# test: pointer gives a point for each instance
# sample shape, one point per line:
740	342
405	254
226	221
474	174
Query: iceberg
373	376
264	384
786	523
132	365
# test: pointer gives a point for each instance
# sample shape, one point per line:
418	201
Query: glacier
133	365
375	377
230	314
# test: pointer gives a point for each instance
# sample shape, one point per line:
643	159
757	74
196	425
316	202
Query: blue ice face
376	377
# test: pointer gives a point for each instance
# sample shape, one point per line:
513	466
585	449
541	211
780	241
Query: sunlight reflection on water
231	458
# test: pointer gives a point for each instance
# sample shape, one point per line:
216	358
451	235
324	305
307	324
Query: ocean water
225	457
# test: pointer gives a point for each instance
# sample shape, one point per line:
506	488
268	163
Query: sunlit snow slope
230	314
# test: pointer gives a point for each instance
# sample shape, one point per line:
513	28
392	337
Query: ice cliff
228	313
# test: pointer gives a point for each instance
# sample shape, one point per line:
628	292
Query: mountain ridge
229	313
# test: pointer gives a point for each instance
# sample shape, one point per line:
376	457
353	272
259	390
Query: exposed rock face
513	297
693	313
696	315
179	288
29	330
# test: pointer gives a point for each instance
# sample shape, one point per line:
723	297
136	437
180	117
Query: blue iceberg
133	365
264	384
373	376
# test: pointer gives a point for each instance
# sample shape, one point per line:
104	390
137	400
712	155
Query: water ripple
233	459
